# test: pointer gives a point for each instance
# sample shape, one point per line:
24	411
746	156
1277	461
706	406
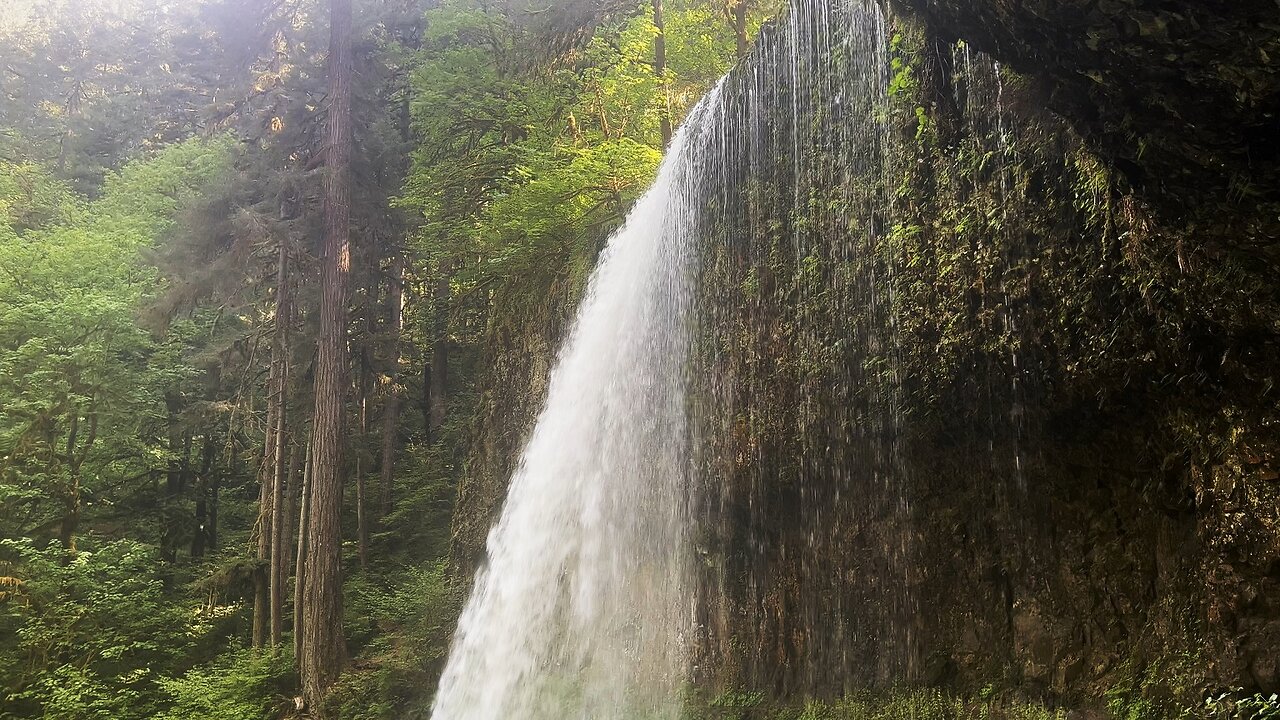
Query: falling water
584	606
798	390
597	598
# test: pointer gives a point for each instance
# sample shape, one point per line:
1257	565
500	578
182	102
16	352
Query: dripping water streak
758	240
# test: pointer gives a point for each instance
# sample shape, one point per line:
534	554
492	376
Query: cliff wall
986	369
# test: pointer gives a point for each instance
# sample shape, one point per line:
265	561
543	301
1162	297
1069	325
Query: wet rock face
1085	442
1183	97
1097	219
520	348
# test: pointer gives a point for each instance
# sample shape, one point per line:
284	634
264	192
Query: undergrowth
921	704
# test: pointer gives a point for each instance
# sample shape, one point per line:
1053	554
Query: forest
620	359
250	252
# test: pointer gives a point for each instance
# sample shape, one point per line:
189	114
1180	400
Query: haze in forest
696	359
255	256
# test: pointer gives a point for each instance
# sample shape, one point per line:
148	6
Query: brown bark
364	390
438	372
738	8
271	470
391	408
262	529
289	524
175	481
70	521
200	538
660	69
279	529
323	647
280	477
362	526
300	564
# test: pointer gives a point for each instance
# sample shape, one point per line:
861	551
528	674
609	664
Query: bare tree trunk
200	538
279	535
175	483
364	389
289	522
660	69
70	521
280	352
276	526
391	408
439	370
300	564
362	525
262	527
323	645
272	469
272	532
739	10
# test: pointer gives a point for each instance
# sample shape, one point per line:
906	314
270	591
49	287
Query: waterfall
584	606
607	578
797	389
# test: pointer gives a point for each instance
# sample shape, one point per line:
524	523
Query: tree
82	381
181	202
323	646
737	10
268	591
391	403
660	69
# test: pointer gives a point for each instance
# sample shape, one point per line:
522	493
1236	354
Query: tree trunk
323	646
364	388
200	538
391	408
739	10
279	524
280	477
271	471
70	521
262	527
175	482
362	527
300	563
214	485
289	525
439	370
660	69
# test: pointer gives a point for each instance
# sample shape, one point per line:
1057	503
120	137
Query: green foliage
735	702
241	684
1165	688
920	704
405	628
89	85
904	80
87	636
79	376
1238	706
535	225
522	170
30	197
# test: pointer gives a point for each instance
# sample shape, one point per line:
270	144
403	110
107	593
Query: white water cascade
584	607
592	604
